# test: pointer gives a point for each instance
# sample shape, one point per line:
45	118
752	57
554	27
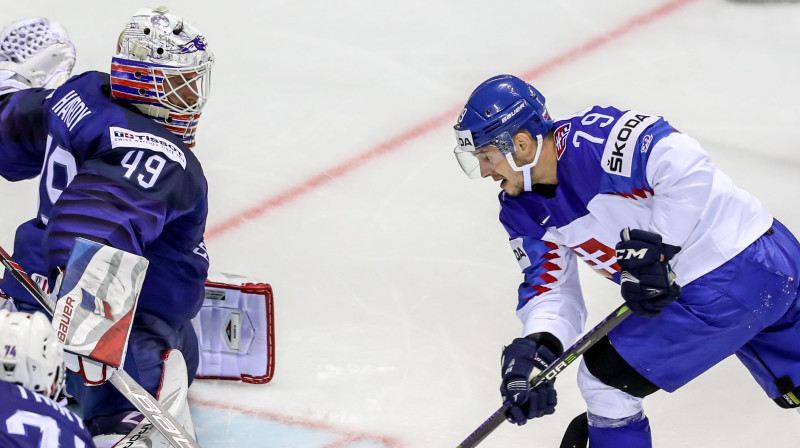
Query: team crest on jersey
561	138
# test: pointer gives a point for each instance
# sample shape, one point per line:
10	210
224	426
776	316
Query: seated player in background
115	165
32	375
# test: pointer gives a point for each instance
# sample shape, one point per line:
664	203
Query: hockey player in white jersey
706	269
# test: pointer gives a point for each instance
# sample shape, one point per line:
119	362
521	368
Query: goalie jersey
111	175
621	169
30	420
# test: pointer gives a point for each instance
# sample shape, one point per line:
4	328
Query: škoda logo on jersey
618	154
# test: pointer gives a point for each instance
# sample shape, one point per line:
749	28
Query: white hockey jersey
621	169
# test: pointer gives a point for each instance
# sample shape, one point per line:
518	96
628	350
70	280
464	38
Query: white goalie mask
163	67
30	353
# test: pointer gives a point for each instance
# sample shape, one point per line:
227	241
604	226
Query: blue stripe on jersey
541	274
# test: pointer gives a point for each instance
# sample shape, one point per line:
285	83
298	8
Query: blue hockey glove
518	361
647	281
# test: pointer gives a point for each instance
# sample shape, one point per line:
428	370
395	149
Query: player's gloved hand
518	361
93	372
647	281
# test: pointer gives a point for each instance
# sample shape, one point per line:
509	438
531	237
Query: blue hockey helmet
495	111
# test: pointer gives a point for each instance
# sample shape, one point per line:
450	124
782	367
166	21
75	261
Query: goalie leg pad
150	338
173	395
235	329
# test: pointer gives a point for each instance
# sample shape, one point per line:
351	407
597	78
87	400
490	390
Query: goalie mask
163	67
499	108
30	353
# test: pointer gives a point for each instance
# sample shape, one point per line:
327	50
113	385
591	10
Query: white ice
395	287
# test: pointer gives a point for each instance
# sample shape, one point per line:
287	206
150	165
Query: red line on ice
347	436
346	167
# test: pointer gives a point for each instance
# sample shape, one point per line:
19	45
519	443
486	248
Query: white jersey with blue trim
620	169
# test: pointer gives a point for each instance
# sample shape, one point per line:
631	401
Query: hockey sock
632	432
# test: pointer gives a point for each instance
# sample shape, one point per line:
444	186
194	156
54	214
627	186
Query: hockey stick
166	424
566	358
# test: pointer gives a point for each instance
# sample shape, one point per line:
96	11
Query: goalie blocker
235	330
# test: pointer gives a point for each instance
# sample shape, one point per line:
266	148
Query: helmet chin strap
526	169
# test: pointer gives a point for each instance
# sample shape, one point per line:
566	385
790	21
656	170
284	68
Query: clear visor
477	162
184	90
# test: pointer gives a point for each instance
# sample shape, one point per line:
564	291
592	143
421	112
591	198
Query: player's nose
486	168
190	96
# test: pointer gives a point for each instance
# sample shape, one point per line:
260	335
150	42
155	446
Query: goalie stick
166	424
566	358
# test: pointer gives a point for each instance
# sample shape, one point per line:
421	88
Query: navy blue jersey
108	174
31	420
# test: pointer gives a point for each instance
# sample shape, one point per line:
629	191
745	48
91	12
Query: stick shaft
16	271
566	358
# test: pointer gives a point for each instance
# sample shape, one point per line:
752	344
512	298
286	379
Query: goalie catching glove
647	281
518	363
34	53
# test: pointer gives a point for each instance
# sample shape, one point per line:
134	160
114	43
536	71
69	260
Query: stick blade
577	433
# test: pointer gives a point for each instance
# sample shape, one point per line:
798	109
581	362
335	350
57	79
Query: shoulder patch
561	138
619	149
519	252
125	138
646	142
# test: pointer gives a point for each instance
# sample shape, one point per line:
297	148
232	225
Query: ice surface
327	144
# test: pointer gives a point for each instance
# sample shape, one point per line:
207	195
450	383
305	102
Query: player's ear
523	142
